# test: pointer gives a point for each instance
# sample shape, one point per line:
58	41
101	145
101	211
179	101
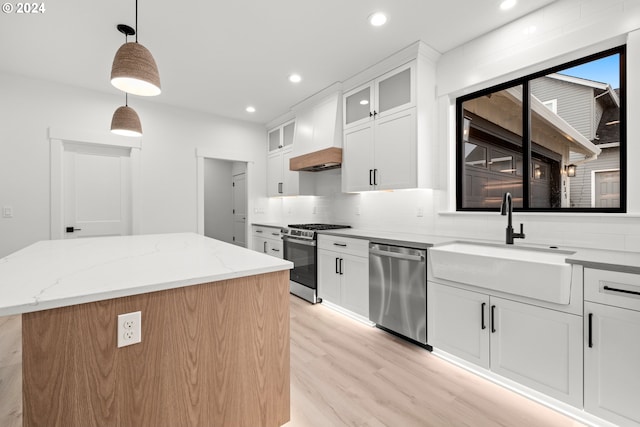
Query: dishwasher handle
408	257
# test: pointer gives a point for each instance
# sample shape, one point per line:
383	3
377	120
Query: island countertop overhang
58	273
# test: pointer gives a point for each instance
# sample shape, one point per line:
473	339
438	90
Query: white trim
93	137
57	139
551	104
609	145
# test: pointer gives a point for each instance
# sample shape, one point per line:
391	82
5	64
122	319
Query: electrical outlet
7	212
420	212
129	328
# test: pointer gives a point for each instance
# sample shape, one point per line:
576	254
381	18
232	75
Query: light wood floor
344	373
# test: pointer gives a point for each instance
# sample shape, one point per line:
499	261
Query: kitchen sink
538	273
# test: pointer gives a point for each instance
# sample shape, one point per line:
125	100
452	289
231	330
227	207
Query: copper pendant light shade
135	71
126	122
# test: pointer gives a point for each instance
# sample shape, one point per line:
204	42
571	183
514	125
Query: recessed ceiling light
250	109
295	78
507	4
377	19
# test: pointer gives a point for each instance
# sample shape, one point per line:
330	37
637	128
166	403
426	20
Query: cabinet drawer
612	288
346	245
267	232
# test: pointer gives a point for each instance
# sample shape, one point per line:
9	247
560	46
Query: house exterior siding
575	102
580	186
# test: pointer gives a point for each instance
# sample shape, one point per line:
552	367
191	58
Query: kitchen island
215	332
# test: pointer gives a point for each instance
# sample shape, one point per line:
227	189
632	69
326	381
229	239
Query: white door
329	276
612	372
274	174
538	347
607	189
355	284
240	209
357	159
96	191
395	151
458	322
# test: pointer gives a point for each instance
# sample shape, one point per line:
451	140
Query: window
522	136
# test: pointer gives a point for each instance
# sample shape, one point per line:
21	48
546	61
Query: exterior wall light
571	170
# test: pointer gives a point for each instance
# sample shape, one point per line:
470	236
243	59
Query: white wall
565	30
168	158
218	199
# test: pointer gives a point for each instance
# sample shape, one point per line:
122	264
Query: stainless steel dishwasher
398	290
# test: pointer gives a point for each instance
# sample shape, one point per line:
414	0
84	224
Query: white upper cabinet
280	180
282	136
389	127
392	92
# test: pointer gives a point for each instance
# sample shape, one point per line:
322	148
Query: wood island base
214	354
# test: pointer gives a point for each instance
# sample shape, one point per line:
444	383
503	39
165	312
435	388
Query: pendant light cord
126	99
136	21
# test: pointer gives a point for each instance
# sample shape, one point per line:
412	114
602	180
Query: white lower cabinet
268	240
534	346
343	273
612	346
612	364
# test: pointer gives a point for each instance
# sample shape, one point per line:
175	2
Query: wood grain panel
308	161
211	354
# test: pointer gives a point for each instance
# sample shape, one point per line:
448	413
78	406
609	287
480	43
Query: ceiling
220	57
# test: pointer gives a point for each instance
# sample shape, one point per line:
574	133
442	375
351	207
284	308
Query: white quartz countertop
58	273
626	262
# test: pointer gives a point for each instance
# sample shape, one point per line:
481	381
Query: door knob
71	229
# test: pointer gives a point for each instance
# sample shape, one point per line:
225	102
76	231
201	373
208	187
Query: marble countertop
59	273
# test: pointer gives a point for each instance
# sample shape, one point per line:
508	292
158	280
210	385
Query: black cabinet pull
72	229
375	177
337	266
590	330
370	176
264	247
342	245
493	319
624	291
484	304
370	114
279	188
375	113
341	272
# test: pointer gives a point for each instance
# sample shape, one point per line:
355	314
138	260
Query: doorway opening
225	200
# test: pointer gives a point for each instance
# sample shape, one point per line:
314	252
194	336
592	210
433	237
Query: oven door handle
299	241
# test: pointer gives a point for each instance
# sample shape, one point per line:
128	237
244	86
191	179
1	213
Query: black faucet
507	209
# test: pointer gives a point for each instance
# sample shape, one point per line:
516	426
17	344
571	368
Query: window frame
527	157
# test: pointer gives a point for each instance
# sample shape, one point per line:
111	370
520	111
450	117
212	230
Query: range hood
321	160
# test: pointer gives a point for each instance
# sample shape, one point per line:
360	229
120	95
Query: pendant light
134	70
125	120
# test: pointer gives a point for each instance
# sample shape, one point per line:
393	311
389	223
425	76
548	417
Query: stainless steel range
300	248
